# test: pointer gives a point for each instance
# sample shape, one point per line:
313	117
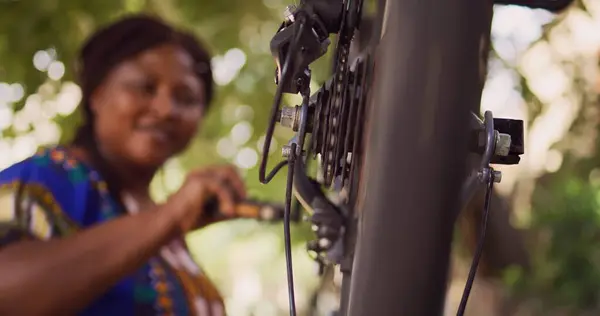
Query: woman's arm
63	276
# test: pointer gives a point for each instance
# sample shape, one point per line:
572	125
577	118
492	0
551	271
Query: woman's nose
163	104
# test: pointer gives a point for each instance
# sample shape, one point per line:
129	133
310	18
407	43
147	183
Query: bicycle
406	79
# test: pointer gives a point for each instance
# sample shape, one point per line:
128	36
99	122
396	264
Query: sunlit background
544	70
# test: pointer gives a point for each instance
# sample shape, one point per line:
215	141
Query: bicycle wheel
427	81
428	75
430	61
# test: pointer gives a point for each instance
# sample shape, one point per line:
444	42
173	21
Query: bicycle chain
332	116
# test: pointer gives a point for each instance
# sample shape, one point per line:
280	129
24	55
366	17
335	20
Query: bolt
289	117
497	176
503	142
481	176
288	12
324	243
286	151
485	174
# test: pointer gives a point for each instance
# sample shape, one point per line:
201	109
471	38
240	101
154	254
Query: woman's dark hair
114	44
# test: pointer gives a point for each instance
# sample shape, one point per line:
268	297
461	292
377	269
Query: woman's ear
95	99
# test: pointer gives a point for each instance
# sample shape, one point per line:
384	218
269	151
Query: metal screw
286	151
324	243
485	174
288	12
290	117
503	142
497	176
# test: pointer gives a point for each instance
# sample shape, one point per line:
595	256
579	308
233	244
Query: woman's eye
144	87
148	88
187	98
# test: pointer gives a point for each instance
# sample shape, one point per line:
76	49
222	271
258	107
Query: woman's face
149	108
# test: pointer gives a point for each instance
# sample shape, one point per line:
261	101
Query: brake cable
285	73
488	176
287	230
289	69
264	178
478	250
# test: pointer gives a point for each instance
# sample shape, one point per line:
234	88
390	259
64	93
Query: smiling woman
67	213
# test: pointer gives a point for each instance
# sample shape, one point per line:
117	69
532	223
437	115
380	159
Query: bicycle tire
364	43
427	80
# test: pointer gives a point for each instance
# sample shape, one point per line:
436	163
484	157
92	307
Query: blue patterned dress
59	196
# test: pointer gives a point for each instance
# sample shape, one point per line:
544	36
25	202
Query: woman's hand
201	187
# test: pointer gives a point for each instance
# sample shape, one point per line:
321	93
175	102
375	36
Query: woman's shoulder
56	182
48	165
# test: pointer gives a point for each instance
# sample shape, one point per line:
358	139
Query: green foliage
574	219
563	221
565	231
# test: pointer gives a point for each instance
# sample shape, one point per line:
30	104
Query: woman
79	233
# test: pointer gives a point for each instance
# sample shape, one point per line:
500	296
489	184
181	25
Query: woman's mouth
156	134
